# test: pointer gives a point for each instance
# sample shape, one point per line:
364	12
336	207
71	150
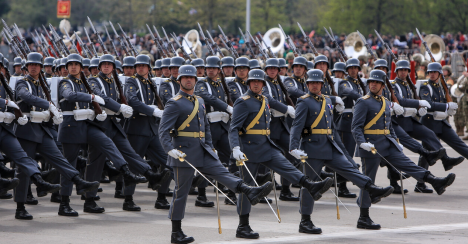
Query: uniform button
68	125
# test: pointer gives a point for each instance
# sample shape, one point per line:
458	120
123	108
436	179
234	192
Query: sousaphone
275	39
353	46
193	39
437	46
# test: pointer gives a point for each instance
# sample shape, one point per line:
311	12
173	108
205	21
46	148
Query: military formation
228	121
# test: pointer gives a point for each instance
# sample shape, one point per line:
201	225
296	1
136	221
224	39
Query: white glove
291	111
398	109
451	112
126	110
23	120
367	146
58	119
298	153
215	151
338	100
452	105
401	146
422	111
12	104
424	103
99	100
176	154
158	113
237	153
9	117
229	109
339	108
53	109
102	117
47	115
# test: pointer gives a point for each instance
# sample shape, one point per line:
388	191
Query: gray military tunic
168	89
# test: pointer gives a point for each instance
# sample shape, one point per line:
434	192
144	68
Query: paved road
431	219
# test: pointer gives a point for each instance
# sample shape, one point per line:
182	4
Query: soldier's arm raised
345	91
210	100
68	94
24	94
293	91
274	104
424	93
298	124
131	93
110	103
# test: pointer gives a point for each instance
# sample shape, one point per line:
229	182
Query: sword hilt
241	162
303	158
373	150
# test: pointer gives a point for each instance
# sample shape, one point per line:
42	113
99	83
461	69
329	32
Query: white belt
2	117
214	117
110	112
276	113
81	114
38	117
438	115
348	110
6	117
410	112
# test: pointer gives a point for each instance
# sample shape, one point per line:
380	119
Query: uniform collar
30	78
105	78
189	97
274	81
317	97
142	79
214	83
74	79
356	81
435	83
240	80
403	82
257	96
376	97
301	80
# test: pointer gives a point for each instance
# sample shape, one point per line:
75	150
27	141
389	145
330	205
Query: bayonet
214	43
306	38
229	46
160	50
91	42
206	40
290	42
190	47
130	44
104	48
249	46
122	42
169	43
180	46
113	45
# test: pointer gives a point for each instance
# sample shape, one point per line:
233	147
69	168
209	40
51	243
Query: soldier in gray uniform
17	66
26	168
238	85
106	87
157	68
165	63
48	62
250	129
312	131
373	131
93	67
200	66
128	66
35	137
86	63
227	65
212	90
280	110
79	128
339	70
185	133
436	118
170	87
296	83
283	67
142	127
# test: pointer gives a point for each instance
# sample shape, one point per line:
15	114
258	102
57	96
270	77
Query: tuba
353	46
275	39
193	39
437	46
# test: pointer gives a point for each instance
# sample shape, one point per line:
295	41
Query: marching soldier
185	135
372	128
250	133
339	71
166	73
283	67
238	86
35	137
142	127
62	67
105	87
296	83
157	68
279	111
17	66
227	66
290	61
312	130
254	64
86	64
129	66
118	67
48	62
170	87
199	64
93	67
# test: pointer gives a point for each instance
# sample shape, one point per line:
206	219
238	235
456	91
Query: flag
63	8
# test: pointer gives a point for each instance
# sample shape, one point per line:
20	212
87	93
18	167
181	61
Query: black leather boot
6	185
232	196
449	162
129	205
287	195
177	235
112	172
377	193
65	209
324	174
365	222
49	175
30	199
440	183
21	212
432	156
316	189
129	177
344	192
396	187
263	178
161	202
421	187
254	194
306	226
6	172
202	201
83	186
90	206
156	179
42	187
55	197
244	230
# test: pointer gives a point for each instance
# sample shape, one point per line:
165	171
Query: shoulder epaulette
177	97
196	96
168	80
134	77
425	83
326	95
66	78
365	97
246	97
305	96
393	82
386	99
96	76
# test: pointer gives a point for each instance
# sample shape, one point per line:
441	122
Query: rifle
190	47
290	42
161	41
210	49
54	46
247	43
21	38
122	42
155	90
181	47
387	81
92	44
59	40
160	50
344	57
14	40
270	54
214	43
225	88
260	50
10	44
48	47
85	49
113	45
39	44
18	113
73	43
96	106
104	48
226	41
395	59
169	43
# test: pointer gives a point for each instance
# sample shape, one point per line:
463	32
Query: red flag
392	72
442	62
413	72
79	48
